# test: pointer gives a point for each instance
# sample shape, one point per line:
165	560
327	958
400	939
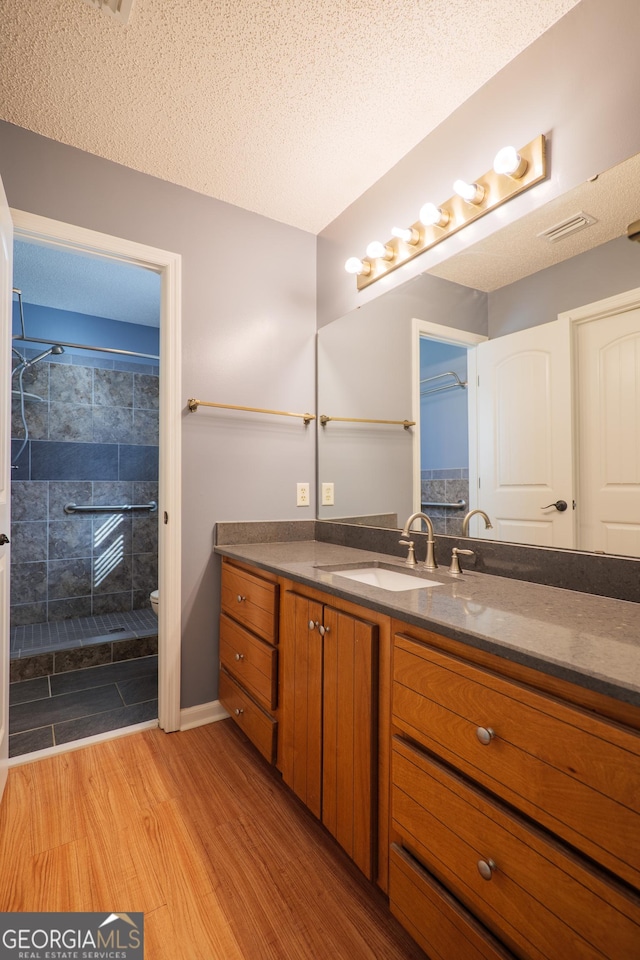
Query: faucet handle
455	563
411	557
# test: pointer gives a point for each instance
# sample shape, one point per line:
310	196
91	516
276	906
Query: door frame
461	338
29	226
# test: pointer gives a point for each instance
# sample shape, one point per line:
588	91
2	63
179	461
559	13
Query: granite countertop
592	641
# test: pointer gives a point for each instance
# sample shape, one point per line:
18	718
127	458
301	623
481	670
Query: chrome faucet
472	513
430	560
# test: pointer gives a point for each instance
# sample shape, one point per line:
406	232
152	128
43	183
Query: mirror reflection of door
444	434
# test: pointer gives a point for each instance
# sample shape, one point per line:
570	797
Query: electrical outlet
302	498
327	495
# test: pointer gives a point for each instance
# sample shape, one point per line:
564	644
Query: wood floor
196	831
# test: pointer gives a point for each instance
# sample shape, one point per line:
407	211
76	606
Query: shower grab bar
458	505
152	506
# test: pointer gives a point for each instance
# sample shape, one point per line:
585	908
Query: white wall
578	84
248	338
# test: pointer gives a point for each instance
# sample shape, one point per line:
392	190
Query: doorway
166	268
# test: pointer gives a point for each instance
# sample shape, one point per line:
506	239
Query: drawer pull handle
485	735
238	711
241	598
239	656
486	868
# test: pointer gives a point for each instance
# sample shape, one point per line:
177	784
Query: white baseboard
203	713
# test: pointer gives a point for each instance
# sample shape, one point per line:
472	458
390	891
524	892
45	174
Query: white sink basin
386	579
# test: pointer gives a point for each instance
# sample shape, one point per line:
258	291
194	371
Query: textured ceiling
289	108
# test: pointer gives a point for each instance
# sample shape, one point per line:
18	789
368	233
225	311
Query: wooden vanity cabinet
248	681
329	685
519	805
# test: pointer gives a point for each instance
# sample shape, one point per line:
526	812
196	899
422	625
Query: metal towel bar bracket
151	507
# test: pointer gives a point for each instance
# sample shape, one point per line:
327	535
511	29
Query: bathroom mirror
514	280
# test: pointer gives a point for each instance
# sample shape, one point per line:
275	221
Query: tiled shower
80	582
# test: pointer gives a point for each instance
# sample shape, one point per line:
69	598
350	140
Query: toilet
154	601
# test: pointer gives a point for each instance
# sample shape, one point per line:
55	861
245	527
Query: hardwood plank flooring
195	830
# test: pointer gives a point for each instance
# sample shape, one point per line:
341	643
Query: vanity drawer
250	660
435	919
259	727
541	899
251	600
577	774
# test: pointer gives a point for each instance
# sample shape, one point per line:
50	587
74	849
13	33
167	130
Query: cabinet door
301	691
349	735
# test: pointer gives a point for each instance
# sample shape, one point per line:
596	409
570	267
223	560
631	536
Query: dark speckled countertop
590	640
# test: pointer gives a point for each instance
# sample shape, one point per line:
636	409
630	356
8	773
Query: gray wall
578	84
603	272
248	338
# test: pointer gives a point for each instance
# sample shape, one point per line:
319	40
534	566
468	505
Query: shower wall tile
112	603
29	500
138	462
70	539
20	464
28	582
35	379
70	384
145	572
63	492
69	578
141	599
113	425
70	421
145	491
113	388
37	417
111	574
145	534
145	392
28	541
74	461
111	532
69	607
145	427
26	613
112	492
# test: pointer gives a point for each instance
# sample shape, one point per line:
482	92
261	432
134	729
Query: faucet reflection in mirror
472	513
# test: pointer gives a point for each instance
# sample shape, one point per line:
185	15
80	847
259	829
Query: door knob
560	505
3	539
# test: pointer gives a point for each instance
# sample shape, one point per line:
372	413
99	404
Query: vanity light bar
514	172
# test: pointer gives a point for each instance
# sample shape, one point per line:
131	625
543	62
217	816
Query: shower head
56	350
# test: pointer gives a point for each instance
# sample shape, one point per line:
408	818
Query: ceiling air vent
567	227
118	9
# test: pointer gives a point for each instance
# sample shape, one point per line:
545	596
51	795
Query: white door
525	449
608	351
6	287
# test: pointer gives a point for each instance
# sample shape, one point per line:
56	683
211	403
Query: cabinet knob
238	711
322	630
486	868
485	735
312	624
241	598
239	656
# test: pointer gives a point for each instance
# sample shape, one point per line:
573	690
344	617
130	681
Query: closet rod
400	423
193	405
448	386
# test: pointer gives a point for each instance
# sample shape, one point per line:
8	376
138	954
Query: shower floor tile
81	631
81	703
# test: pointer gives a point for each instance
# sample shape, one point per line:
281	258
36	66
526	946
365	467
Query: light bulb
471	192
509	163
357	266
408	234
380	251
433	216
